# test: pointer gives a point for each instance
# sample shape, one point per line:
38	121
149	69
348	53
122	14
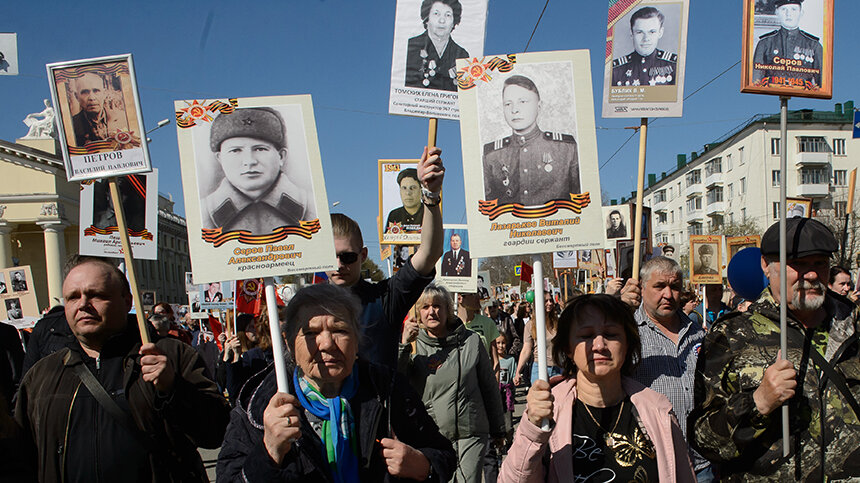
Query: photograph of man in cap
705	261
255	194
743	378
646	65
409	216
19	281
788	51
531	166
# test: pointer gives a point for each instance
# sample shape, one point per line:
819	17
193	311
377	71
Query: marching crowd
401	379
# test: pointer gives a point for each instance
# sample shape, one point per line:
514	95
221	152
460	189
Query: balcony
813	190
695	216
659	205
692	190
807	159
715	208
713	179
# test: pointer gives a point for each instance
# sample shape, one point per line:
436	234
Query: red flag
216	327
526	273
249	296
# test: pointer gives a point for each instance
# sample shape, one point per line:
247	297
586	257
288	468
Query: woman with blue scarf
345	420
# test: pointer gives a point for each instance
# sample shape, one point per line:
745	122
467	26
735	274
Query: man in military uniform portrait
19	281
456	262
255	195
615	225
705	260
409	216
788	52
2	284
91	123
531	166
13	309
646	65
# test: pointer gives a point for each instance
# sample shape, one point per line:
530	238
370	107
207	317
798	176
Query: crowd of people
403	379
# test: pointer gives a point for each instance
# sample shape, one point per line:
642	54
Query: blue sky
340	52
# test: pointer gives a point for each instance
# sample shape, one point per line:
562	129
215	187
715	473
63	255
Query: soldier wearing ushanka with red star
646	65
788	52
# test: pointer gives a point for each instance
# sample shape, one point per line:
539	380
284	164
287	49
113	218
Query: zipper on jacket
65	448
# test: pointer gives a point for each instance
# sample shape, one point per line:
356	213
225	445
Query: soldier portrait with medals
786	44
646	65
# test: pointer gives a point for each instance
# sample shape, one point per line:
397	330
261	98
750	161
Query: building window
740	156
840	207
694	204
774	178
839	147
661	217
839	177
776	209
731	218
731	190
715	195
743	187
713	166
743	214
774	146
812	176
694	177
812	144
679	188
729	162
696	229
680	212
672	216
660	196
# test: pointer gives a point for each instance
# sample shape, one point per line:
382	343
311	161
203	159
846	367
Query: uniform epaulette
664	55
557	136
809	36
769	34
497	144
225	212
621	61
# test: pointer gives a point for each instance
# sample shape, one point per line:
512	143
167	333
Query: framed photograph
788	48
400	202
216	295
625	253
99	120
400	255
616	220
610	263
194	308
587	260
705	259
99	233
147	299
798	207
457	269
484	287
254	190
645	225
8	53
18	305
565	259
646	51
429	37
734	244
189	283
530	153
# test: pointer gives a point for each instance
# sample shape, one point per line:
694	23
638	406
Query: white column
5	245
55	258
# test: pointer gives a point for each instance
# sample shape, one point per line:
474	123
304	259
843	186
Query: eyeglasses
347	257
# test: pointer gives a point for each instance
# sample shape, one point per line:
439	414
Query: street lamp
160	125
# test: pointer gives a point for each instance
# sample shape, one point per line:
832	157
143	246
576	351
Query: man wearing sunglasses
385	304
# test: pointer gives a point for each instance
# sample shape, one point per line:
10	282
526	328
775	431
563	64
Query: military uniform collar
524	138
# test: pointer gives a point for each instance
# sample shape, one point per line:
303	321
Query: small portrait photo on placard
189	283
645	58
400	201
13	308
529	151
147	299
8	53
254	189
565	259
616	219
19	281
3	287
625	254
798	208
788	48
484	286
734	244
216	295
400	255
457	270
99	118
610	262
99	235
429	37
705	258
18	305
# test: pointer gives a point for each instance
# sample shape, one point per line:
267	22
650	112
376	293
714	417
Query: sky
339	52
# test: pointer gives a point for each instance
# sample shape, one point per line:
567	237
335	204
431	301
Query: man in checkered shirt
670	341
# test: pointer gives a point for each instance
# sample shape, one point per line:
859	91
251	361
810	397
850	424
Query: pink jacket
524	460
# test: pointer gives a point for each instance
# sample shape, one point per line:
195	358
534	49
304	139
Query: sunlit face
804	280
326	349
347	274
251	333
455	242
841	284
521	107
440	22
501	346
690	306
615	220
95	304
251	165
598	346
661	295
410	193
647	32
433	312
789	15
706	259
90	93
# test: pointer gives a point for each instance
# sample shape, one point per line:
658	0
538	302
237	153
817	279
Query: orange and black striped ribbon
493	210
217	237
92	231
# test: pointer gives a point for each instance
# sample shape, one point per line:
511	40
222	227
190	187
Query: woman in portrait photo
431	57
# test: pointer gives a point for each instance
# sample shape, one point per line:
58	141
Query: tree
836	224
369	269
747	227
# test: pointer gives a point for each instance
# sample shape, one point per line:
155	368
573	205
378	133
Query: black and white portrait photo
147	298
788	50
255	176
704	259
19	281
617	219
528	130
8	53
565	259
13	309
132	193
456	261
400	255
643	53
2	283
431	56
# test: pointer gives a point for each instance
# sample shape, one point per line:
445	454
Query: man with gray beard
742	378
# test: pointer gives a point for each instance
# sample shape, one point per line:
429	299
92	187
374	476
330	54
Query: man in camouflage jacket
742	381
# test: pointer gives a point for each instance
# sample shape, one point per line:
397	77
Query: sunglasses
347	257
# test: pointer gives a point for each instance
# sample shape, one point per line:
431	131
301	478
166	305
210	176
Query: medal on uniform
547	162
506	181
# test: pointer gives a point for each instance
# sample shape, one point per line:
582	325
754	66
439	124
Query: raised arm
431	172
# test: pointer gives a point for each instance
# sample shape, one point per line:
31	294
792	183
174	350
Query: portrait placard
565	259
618	223
99	234
18	305
8	53
624	252
216	295
99	118
484	287
610	262
255	196
798	207
734	244
457	270
788	48
530	153
400	255
400	201
429	36
705	258
194	308
147	299
646	51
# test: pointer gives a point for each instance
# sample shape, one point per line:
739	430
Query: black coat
243	456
